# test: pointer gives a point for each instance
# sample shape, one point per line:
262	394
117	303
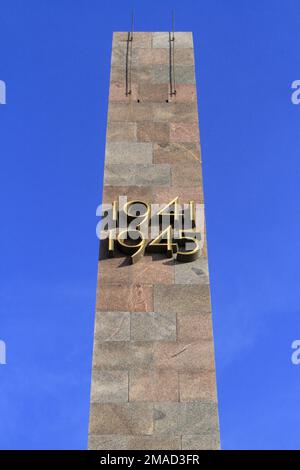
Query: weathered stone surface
184	74
140	39
133	193
185	93
121	442
197	386
118	55
109	386
198	417
121	131
112	326
119	297
183	355
184	132
208	441
130	111
108	442
163	195
195	272
153	56
178	153
149	92
194	327
153	385
125	418
137	74
117	93
128	153
186	175
153	132
137	175
185	418
119	270
175	112
155	443
184	56
182	39
166	418
123	355
182	299
153	326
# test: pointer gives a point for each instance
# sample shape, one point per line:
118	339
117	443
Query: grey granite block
183	73
112	326
108	442
166	418
198	417
129	153
164	442
195	272
118	56
185	418
122	355
208	441
109	386
182	40
137	175
153	326
143	442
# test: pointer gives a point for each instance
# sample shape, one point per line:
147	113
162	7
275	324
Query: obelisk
153	380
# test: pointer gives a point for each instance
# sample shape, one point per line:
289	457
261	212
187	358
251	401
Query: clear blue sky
55	59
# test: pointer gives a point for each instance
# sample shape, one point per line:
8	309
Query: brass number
136	250
129	211
189	255
158	246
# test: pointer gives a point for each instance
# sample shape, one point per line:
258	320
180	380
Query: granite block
155	269
130	111
153	385
182	40
128	153
183	74
119	297
183	355
195	272
153	326
197	386
137	175
182	299
184	132
153	132
177	153
123	418
175	112
194	327
187	175
112	326
123	355
121	131
186	93
149	92
203	441
153	56
109	386
185	418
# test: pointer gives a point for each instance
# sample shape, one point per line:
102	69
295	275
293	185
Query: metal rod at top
132	24
173	24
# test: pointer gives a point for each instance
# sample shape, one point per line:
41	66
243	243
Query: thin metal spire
172	57
129	57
